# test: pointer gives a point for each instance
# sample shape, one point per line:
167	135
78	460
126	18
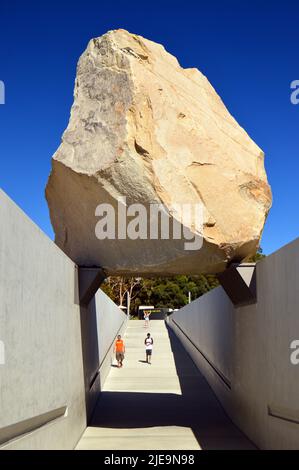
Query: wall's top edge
6	199
278	252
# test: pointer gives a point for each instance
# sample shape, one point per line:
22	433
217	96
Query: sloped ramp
164	406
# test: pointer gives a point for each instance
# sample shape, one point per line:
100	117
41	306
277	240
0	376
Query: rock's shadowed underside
144	128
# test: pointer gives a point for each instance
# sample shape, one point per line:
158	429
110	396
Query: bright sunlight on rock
150	143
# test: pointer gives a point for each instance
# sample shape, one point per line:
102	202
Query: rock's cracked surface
144	128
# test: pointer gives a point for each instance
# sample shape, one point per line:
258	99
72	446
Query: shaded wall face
46	364
101	322
245	352
40	329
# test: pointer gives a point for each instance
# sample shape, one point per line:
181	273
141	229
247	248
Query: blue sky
247	49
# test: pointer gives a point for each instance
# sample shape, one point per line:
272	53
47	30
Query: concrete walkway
164	406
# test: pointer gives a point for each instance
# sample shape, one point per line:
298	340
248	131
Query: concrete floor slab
164	406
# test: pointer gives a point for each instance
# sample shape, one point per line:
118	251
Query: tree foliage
258	256
171	292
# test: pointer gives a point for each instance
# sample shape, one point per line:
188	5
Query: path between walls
167	405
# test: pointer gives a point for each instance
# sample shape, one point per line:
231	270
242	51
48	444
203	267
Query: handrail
224	379
18	430
284	414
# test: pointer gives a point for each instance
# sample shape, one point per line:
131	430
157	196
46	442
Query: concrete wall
244	352
42	387
100	323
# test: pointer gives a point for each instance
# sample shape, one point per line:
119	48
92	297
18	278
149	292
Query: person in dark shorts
119	349
148	347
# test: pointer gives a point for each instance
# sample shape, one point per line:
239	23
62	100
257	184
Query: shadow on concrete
197	408
91	358
209	422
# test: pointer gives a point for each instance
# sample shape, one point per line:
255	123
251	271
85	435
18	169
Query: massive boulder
147	130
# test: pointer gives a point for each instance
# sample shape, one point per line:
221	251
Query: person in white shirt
148	347
146	319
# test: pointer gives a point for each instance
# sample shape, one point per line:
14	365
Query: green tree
171	292
258	256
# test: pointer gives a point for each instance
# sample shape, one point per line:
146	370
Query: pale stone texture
143	127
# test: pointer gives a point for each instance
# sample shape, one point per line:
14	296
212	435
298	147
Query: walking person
148	347
119	350
146	319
